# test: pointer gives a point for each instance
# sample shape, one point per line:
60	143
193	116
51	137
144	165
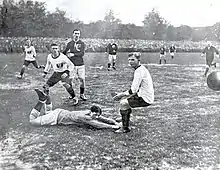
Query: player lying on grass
58	116
141	93
209	51
63	71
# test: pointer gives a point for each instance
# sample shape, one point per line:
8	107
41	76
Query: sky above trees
178	12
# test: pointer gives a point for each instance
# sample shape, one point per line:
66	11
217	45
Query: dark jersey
162	50
210	52
112	48
172	49
78	48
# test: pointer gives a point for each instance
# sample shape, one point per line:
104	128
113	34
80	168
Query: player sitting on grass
58	116
141	93
63	71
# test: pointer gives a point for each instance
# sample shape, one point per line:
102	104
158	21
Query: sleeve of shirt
203	51
99	125
67	48
116	47
48	66
136	82
82	50
34	51
217	52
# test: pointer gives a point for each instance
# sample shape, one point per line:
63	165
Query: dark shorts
56	77
135	101
26	63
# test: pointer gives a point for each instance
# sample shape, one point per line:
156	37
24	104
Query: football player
162	54
172	51
63	71
30	57
111	49
141	93
58	116
209	51
75	50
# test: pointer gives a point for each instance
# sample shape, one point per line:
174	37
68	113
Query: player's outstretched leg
69	89
109	65
206	71
113	64
21	72
41	95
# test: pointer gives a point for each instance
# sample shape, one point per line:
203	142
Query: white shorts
80	72
172	53
162	56
111	57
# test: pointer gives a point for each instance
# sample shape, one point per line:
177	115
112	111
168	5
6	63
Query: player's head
134	59
54	48
95	111
28	42
76	34
209	43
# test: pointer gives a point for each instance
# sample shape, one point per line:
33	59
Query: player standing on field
162	55
30	57
63	71
75	50
111	49
172	51
141	93
209	51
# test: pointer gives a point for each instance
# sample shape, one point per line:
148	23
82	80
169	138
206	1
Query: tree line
30	18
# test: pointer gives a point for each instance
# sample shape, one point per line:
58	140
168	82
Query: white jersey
30	53
143	85
59	64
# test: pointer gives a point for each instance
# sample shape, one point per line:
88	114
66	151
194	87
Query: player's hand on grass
115	127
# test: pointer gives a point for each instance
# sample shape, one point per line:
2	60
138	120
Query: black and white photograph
109	85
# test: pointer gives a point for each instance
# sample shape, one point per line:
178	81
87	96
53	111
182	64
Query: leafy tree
155	25
184	32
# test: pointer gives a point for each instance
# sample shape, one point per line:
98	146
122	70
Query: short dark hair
96	109
53	44
75	30
135	54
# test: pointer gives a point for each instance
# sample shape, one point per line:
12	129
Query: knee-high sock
71	91
22	71
125	118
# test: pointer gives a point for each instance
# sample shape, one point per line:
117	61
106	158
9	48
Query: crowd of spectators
15	44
